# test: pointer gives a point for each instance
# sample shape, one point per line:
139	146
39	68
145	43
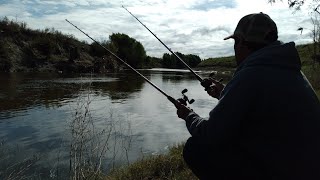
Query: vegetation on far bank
23	50
225	62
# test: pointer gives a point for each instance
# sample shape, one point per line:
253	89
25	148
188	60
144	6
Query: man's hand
182	110
213	87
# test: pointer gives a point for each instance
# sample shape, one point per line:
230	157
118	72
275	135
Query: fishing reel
185	98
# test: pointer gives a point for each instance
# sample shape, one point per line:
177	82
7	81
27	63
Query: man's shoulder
250	73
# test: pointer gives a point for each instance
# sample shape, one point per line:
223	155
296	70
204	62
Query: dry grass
168	166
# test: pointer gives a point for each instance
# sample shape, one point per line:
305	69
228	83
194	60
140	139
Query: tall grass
312	72
310	66
93	150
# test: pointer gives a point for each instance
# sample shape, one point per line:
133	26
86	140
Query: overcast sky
188	26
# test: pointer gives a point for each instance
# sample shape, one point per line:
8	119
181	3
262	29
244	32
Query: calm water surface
36	111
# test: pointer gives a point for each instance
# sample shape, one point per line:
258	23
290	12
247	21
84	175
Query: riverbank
26	50
167	166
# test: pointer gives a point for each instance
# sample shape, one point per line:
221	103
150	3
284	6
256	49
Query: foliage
52	50
296	4
192	60
5	64
169	166
171	61
228	62
48	49
309	67
153	62
97	50
45	45
313	75
129	49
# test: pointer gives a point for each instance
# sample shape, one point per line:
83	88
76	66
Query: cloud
189	26
204	31
214	4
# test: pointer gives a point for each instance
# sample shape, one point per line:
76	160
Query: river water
36	110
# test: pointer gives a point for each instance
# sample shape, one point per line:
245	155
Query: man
266	124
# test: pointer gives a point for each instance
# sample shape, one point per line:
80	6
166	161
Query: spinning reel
185	98
207	84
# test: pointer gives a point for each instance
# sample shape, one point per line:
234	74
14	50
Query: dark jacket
267	121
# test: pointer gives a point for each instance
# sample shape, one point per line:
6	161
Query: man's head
253	32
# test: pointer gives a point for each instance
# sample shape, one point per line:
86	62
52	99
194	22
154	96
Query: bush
5	63
44	45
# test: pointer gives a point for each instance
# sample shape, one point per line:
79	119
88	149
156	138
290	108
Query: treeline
171	61
24	49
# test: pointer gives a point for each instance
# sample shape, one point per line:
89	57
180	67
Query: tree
315	32
96	50
296	4
171	61
166	61
179	64
314	5
129	49
193	60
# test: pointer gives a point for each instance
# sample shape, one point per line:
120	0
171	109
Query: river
36	110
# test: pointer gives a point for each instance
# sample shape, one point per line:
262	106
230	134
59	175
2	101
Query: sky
187	26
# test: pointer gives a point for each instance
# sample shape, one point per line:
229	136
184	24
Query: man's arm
225	119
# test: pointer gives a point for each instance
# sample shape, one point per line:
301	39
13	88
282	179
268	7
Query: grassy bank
313	75
220	62
310	66
169	166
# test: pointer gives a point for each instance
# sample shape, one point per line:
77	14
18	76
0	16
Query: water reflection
22	91
35	109
126	84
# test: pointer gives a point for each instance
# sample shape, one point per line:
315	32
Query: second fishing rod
204	82
184	100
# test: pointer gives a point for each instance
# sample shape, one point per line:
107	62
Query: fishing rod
197	76
183	100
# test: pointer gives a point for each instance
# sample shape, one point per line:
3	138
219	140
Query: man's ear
243	44
245	47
